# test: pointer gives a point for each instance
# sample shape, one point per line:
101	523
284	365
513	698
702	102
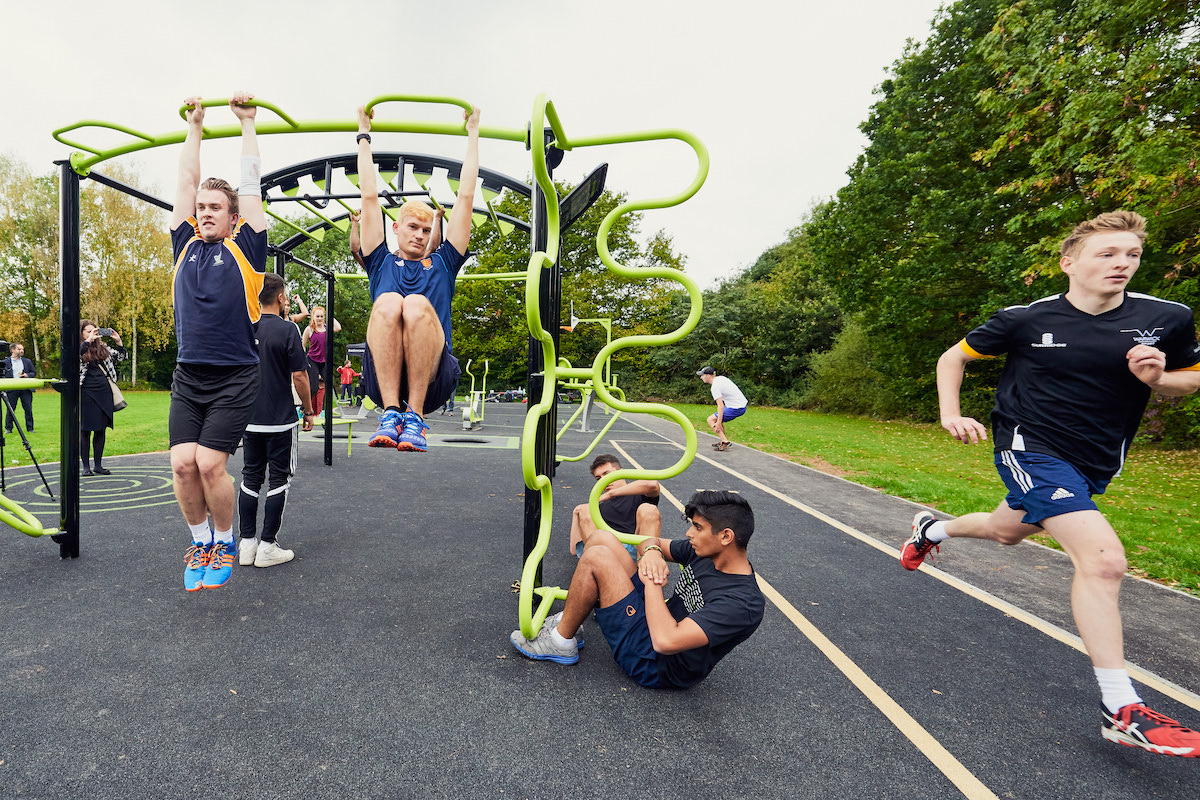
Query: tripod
28	448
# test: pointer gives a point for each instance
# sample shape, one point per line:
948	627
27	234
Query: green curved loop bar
412	98
13	515
81	162
531	619
224	101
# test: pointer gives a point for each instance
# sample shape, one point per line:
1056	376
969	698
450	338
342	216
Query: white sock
559	640
937	532
1116	688
224	536
201	533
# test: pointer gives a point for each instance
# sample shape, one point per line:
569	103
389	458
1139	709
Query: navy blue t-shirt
432	277
1066	389
727	607
280	353
215	289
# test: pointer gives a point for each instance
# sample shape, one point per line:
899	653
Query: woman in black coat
95	393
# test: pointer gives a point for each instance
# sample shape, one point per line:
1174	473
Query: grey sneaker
554	619
271	554
246	550
543	648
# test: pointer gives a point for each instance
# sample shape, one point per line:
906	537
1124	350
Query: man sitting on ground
625	506
660	643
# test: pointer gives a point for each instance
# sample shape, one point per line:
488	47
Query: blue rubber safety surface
377	663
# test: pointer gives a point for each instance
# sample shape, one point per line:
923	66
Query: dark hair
602	459
273	286
92	352
723	510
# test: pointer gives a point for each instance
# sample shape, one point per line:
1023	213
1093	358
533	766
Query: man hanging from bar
409	366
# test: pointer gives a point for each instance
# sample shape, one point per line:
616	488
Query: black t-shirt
280	353
1066	389
621	511
727	607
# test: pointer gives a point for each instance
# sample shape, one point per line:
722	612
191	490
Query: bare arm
303	310
337	326
647	488
459	232
189	165
435	238
250	205
300	381
1149	365
355	244
666	635
950	369
371	220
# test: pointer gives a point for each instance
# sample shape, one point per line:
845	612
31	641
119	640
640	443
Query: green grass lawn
1152	505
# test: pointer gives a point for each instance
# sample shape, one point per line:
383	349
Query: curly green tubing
531	619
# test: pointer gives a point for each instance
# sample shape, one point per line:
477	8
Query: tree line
988	141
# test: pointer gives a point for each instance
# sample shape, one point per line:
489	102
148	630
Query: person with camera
95	392
17	366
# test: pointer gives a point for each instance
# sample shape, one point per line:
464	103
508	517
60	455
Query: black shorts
441	388
211	405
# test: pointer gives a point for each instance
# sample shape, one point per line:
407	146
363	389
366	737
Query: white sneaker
270	554
246	550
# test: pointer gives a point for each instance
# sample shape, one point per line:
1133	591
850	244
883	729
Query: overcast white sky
775	89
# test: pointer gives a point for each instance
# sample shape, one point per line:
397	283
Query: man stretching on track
409	366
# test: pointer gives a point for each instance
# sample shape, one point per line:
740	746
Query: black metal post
544	443
327	371
68	258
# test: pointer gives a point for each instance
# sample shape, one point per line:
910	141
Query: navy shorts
1045	486
624	626
732	413
441	388
211	405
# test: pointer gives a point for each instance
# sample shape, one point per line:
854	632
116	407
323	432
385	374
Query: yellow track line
971	787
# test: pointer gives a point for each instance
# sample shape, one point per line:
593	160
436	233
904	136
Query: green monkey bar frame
541	296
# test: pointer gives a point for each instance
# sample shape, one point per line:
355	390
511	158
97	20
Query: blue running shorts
732	413
624	626
1045	486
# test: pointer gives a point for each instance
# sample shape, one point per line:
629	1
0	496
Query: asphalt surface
377	664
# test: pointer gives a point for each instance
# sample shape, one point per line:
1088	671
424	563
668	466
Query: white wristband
251	176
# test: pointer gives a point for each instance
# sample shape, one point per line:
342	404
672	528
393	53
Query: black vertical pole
549	312
68	259
327	372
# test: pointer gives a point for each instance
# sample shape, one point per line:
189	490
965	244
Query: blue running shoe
388	434
196	559
220	564
413	435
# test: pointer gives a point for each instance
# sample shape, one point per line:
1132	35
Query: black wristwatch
362	136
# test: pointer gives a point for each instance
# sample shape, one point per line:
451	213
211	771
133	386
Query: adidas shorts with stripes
1045	486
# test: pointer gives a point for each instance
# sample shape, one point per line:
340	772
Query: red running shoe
1137	726
917	547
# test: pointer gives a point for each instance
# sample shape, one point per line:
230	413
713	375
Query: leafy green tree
29	262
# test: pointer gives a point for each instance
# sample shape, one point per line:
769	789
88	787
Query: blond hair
415	208
1108	222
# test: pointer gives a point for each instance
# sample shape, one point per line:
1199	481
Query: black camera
5	348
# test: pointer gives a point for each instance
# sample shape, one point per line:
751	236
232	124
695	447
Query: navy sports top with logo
620	512
1066	389
432	277
727	607
280	353
215	290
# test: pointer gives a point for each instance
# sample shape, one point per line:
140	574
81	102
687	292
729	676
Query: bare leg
219	493
582	526
1099	560
424	342
385	337
649	521
189	489
602	577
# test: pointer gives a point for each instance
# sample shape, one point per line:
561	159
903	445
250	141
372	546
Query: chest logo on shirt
426	262
1149	337
192	259
217	260
1048	341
